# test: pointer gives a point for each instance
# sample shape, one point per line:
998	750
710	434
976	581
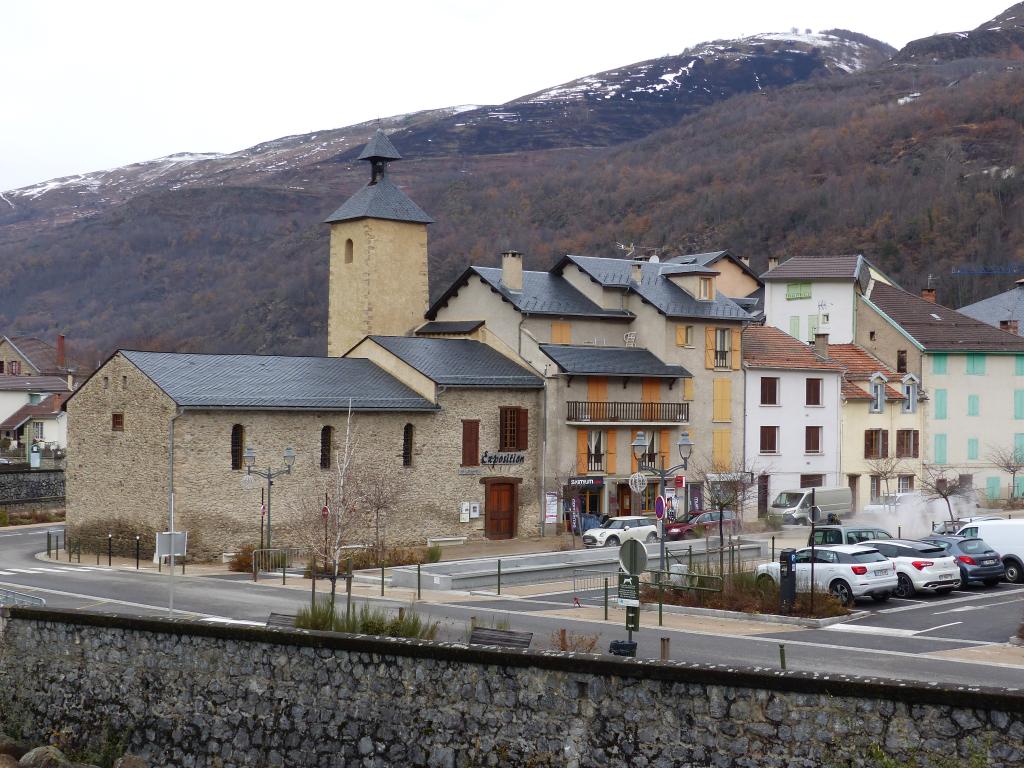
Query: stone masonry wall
31	485
185	694
121	477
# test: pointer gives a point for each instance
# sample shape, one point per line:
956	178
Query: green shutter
941	398
939	363
1018	486
940	449
1019	367
972	449
792	290
992	488
794	326
1018	442
973	405
976	364
812	326
1018	403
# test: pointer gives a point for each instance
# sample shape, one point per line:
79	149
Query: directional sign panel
629	587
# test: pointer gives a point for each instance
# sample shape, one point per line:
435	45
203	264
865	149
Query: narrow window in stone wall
407	445
124	383
326	441
237	441
470	443
117	422
348	251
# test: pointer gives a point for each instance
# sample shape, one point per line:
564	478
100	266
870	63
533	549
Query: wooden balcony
584	411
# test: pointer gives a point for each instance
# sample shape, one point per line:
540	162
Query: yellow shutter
687	389
632	456
736	348
611	437
561	332
722	400
581	451
709	347
650	393
721	449
664	440
680	335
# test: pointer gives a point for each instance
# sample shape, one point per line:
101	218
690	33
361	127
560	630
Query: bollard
661	600
348	593
401	614
499	575
47	544
419	592
773	549
382	579
284	570
689	555
110	549
782	655
606	598
664	649
137	539
183	565
899	531
312	579
563	639
472	622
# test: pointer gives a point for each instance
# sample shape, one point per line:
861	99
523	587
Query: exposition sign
489	459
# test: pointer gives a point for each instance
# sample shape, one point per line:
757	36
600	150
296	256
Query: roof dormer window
910	390
706	288
877	393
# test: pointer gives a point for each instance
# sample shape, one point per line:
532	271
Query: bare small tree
726	487
374	492
886	469
327	534
936	482
1010	460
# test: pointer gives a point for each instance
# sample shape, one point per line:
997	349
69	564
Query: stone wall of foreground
188	694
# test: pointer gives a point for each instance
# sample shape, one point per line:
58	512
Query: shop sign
597	482
489	459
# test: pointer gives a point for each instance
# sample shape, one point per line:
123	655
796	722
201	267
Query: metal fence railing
278	560
10	597
587	579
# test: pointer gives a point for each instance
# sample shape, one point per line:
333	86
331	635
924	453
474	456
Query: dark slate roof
543	293
379	146
382	200
257	382
655	288
1008	305
459	362
818	268
710	259
448	326
939	329
33	384
610	361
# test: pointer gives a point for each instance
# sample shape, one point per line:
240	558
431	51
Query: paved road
893	642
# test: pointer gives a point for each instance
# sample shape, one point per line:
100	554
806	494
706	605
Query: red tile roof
860	365
765	346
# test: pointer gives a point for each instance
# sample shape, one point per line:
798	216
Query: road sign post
633	561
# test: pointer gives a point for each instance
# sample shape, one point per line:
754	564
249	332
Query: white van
795	506
1004	536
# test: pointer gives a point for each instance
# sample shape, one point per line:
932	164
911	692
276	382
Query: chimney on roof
745	260
512	270
636	272
60	351
773	262
928	294
821	345
1011	326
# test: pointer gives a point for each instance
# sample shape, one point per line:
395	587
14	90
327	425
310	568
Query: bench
281	620
442	540
503	638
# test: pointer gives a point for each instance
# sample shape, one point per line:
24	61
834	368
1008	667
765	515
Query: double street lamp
269	474
640	452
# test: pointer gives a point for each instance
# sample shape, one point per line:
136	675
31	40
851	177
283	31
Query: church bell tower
378	261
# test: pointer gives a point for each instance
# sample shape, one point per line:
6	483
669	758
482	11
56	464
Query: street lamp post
269	474
685	447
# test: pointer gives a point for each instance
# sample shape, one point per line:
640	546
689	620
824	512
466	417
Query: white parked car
847	571
920	565
618	529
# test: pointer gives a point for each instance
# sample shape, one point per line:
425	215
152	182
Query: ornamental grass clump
367	620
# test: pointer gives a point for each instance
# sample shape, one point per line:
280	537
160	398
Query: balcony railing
630	413
595	462
721	358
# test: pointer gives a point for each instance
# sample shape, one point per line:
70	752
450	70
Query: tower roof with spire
380	198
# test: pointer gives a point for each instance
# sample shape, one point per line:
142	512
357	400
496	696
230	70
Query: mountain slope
1001	38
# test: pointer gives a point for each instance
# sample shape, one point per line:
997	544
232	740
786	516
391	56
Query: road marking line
941	626
945	601
6	573
979	607
98	600
20	570
871	630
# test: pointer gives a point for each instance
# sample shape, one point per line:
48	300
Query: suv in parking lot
920	565
976	559
828	535
618	529
848	572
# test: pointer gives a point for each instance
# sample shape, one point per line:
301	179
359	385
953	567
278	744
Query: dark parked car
977	560
694	527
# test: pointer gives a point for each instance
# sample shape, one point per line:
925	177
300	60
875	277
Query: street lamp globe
289	457
639	445
249	456
685	446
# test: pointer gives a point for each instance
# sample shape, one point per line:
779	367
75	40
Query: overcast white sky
98	84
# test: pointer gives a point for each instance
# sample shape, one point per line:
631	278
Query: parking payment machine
787	579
